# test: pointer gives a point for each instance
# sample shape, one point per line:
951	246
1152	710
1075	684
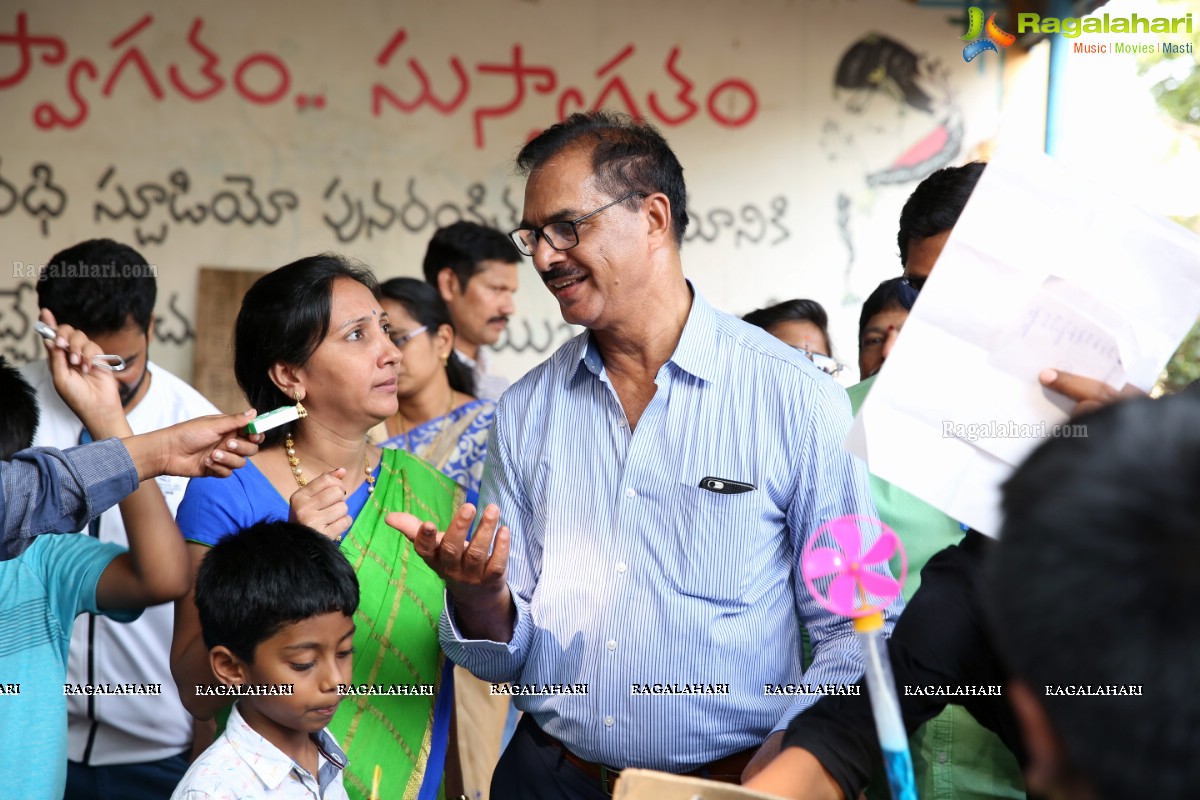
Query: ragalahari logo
992	35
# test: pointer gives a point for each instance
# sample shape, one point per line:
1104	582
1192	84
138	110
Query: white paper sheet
1043	270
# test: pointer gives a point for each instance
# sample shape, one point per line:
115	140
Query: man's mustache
559	273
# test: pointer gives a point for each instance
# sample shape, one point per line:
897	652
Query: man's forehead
560	185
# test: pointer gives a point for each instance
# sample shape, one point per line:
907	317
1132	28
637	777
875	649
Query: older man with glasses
658	476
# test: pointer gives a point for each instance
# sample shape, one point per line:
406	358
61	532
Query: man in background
119	746
475	270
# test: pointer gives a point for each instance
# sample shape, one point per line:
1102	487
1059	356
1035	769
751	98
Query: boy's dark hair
628	155
936	204
423	303
462	246
888	295
789	310
283	318
254	582
97	286
1094	582
18	411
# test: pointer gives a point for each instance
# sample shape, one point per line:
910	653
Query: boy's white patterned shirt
242	765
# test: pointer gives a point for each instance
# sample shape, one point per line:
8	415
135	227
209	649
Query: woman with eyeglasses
314	334
804	325
438	419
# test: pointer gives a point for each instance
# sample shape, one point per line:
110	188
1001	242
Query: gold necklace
407	432
298	472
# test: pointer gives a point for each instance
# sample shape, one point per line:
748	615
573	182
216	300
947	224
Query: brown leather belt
724	770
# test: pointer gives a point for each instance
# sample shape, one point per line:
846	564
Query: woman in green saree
313	334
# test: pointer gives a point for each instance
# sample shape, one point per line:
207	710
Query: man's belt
724	770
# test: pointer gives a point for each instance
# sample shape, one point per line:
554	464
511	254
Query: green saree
396	640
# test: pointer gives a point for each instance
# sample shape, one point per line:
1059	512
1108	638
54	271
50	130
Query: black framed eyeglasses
561	236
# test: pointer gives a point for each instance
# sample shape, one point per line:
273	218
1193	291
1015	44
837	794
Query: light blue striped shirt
624	571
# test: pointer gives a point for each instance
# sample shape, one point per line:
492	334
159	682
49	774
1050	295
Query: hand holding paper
1044	269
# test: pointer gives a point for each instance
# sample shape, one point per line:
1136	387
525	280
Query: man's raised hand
472	567
475	571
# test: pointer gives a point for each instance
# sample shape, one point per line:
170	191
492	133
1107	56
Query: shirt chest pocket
715	542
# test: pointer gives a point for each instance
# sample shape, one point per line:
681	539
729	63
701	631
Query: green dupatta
396	639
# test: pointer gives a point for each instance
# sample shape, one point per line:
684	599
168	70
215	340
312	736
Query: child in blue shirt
58	577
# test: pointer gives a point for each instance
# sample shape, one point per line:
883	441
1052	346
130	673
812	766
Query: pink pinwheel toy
847	581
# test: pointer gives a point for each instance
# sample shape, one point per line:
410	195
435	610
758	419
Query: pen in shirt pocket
725	486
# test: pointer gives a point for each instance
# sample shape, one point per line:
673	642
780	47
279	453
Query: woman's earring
446	360
301	411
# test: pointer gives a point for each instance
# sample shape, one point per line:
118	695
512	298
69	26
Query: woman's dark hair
283	318
425	305
255	581
789	310
887	296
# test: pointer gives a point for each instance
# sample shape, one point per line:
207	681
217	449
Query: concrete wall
245	135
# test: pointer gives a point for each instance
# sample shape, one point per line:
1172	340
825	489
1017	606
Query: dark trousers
532	769
151	780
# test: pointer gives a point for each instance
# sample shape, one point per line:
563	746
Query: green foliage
1176	86
1184	366
1177	92
1180	98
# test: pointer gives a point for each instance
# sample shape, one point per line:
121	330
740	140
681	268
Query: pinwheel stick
885	706
842	581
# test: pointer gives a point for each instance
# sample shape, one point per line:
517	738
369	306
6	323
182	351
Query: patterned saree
396	640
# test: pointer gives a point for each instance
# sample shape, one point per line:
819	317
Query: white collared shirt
488	386
242	765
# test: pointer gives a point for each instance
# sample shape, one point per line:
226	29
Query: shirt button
608	722
630	492
621	566
612	644
621	423
941	757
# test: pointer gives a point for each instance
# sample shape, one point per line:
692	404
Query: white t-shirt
129	728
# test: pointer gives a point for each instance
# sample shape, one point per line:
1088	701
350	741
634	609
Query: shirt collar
696	352
475	364
272	765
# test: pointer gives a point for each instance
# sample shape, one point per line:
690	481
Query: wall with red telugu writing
245	135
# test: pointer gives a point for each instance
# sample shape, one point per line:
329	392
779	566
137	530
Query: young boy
276	603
